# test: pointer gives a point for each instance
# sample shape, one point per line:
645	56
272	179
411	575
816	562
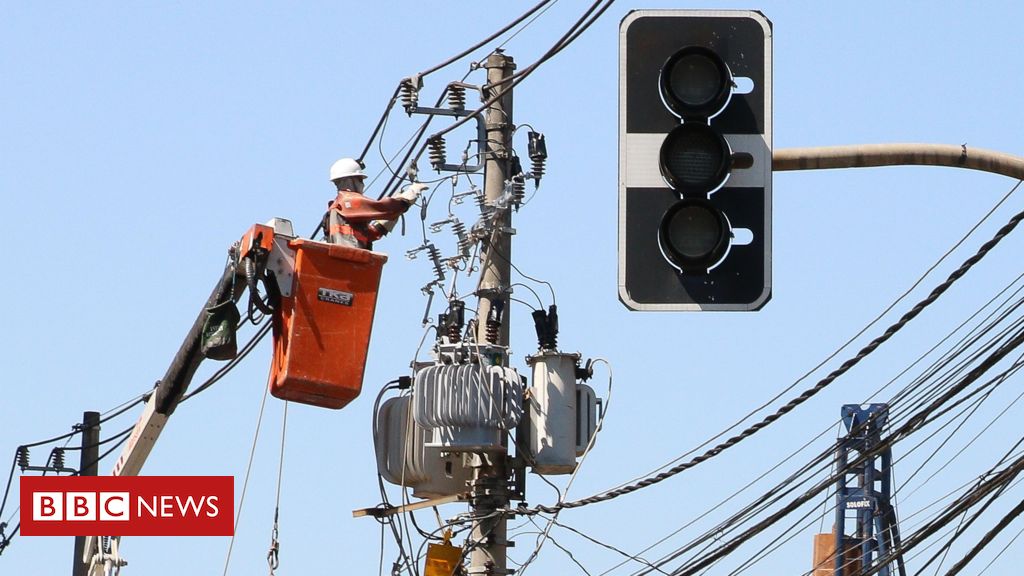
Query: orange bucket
322	331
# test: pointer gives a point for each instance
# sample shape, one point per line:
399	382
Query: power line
435	68
807	394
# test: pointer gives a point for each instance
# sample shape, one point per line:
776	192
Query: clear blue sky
139	140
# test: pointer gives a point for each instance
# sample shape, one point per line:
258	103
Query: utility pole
490	471
89	466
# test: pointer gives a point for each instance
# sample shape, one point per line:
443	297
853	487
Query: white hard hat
347	168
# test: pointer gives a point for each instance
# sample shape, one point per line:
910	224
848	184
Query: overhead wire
245	482
821	457
436	67
915	422
997	379
930	351
987	539
893	329
1002	551
585	21
546	532
835	353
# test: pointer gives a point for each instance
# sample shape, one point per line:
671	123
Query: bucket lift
321	300
866	531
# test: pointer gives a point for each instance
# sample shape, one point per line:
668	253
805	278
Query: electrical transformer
404	459
563	414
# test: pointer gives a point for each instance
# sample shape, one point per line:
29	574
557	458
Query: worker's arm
357	208
374	218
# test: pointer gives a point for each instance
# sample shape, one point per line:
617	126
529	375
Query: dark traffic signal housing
695	160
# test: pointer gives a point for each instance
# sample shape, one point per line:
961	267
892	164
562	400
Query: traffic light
695	155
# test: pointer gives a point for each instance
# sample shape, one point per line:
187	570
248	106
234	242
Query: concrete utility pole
490	472
89	466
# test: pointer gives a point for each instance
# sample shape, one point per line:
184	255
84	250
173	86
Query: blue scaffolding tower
866	531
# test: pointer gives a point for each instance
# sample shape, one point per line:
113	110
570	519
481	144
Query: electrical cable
485	41
848	342
809	393
581	25
933	350
997	379
223	370
245	482
915	422
574	32
435	68
1001	552
546	532
629	557
547	536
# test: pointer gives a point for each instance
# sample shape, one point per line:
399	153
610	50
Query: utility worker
355	220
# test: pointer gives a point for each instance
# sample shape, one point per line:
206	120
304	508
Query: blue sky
139	140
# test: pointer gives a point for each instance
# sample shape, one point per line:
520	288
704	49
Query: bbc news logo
127	505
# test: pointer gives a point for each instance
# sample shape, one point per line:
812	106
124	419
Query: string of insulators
518	181
494	318
23	457
465	245
409	95
57	457
438	155
456	97
546	324
435	259
481	202
538	155
453	320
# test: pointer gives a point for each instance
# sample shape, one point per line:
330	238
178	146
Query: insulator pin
23	457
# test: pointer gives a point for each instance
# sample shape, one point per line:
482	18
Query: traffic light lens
695	80
696	83
695	159
694	235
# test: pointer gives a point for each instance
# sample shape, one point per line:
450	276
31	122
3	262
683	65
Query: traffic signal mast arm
873	155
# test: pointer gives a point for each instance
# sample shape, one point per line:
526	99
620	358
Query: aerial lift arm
321	299
170	389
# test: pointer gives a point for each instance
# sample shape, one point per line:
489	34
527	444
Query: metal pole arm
871	155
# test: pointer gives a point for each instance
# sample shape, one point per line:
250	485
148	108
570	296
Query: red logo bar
127	505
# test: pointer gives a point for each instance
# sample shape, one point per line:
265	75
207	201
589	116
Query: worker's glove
412	192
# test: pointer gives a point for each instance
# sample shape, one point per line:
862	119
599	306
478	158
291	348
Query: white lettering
213	511
144	504
48	506
167	506
190	504
114	506
80	506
